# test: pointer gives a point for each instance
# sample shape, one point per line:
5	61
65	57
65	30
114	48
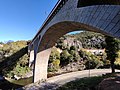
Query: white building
96	51
1	45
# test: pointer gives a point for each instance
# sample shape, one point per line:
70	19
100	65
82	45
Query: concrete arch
48	41
58	30
101	18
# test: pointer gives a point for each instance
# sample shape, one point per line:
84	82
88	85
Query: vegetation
54	60
117	62
72	51
91	61
112	48
13	55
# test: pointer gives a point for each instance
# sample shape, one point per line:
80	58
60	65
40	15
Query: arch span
48	41
58	30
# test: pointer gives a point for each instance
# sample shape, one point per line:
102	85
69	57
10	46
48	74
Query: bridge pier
31	58
41	64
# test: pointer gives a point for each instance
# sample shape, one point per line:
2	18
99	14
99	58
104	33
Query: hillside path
53	82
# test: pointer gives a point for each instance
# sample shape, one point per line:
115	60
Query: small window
83	3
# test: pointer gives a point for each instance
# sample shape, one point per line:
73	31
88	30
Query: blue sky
21	19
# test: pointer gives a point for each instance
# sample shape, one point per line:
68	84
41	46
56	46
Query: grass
82	84
23	82
87	83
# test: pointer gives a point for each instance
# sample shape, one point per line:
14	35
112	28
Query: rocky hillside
85	50
14	59
71	52
88	40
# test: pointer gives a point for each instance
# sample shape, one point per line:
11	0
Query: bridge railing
54	11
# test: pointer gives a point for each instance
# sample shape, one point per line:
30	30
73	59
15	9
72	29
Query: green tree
64	57
112	47
1	43
54	55
91	61
56	64
74	53
73	48
60	43
71	58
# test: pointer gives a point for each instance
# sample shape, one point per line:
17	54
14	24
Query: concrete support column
41	65
31	58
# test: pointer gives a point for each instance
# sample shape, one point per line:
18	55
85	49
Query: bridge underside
71	16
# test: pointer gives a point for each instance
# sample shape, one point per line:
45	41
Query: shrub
71	58
117	62
75	55
91	61
56	64
54	55
73	48
64	57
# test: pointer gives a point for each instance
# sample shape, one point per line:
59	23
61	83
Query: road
59	80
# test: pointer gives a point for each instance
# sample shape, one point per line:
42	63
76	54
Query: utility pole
89	69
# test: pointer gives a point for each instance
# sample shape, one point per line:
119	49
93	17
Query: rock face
74	67
29	74
71	67
72	42
112	83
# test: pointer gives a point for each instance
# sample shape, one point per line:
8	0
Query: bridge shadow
6	85
40	86
10	62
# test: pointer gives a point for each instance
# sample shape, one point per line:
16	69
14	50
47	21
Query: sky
21	19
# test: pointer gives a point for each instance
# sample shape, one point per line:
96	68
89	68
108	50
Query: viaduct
102	16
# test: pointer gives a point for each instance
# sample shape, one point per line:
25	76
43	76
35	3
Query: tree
60	43
117	61
64	57
54	55
1	43
112	47
73	48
